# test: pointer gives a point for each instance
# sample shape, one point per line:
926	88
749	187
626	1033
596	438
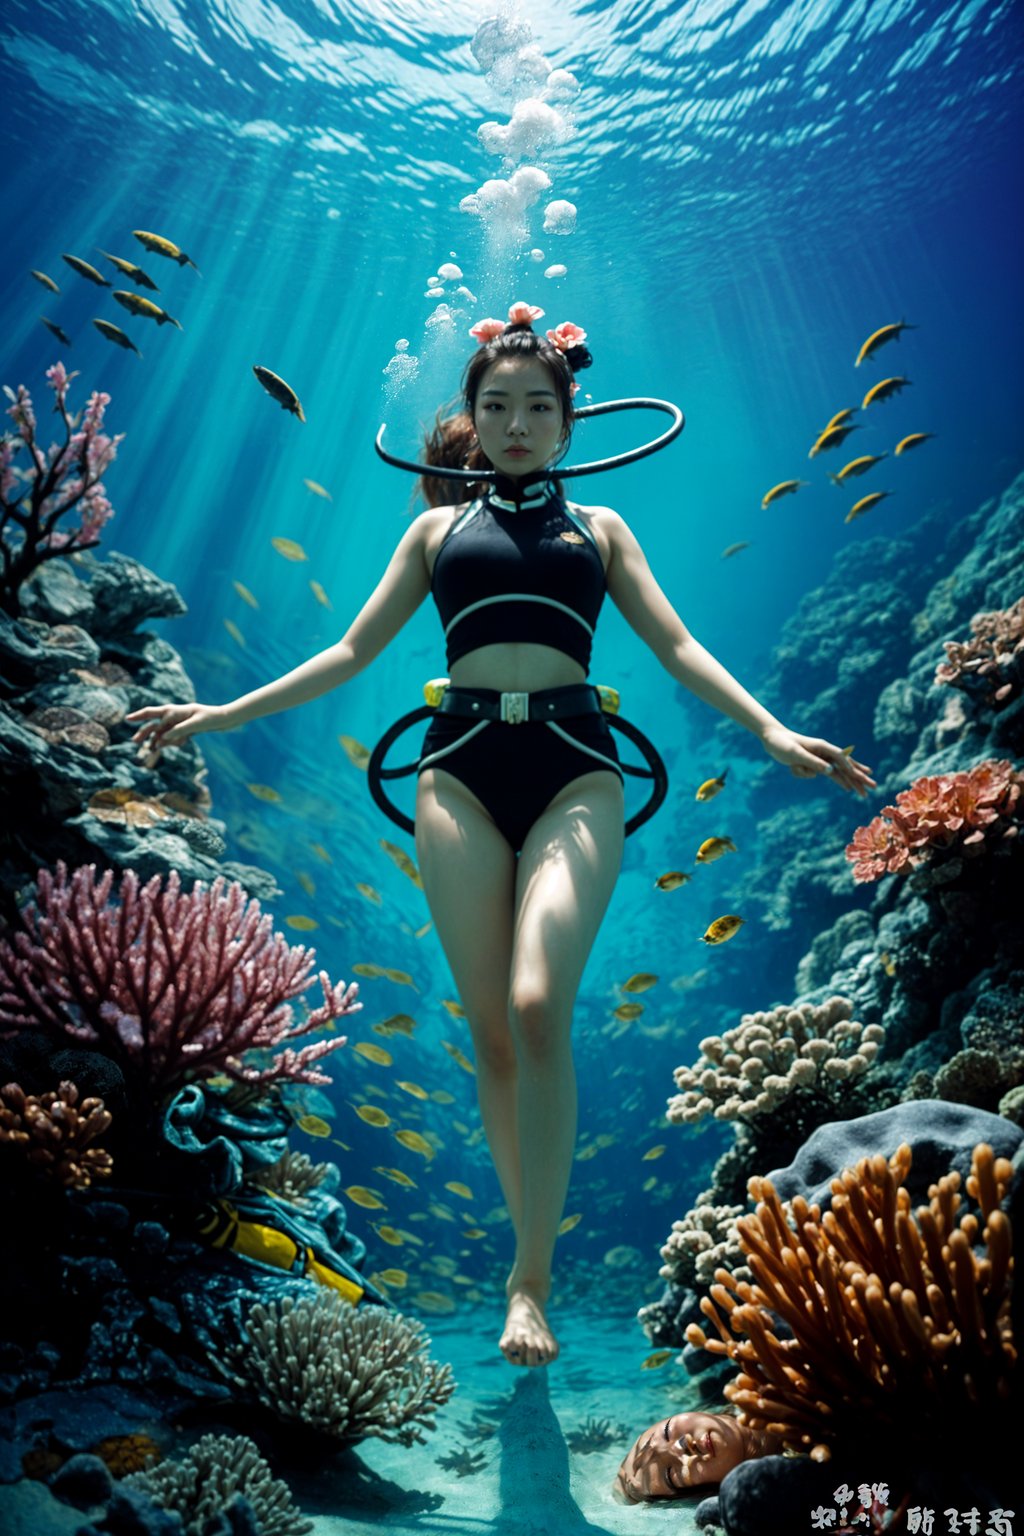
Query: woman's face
685	1451
517	416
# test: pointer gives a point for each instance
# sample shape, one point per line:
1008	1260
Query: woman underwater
519	832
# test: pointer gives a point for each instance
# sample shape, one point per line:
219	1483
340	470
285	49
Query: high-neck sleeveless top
527	571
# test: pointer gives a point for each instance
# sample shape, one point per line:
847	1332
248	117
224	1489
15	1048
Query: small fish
164	247
457	1056
55	329
47	282
265	793
130	270
421	933
883	390
317	489
649	1184
278	390
135	304
672	880
397	1279
657	1360
321	852
355	751
372	1115
398	1177
400	978
587	1153
474	1232
857	467
434	1301
313	1125
308	885
568	1223
460	1189
302	923
403	862
373	1052
784	488
115	334
628	1011
455	1009
887	963
235	633
711	787
85	270
342	1144
397	1024
413	1088
722	928
653	1153
365	968
880	337
415	1143
321	596
832	437
370	893
865	504
913	441
839	418
245	594
442	1096
734	549
713	847
289	549
641	981
440	1213
391	1235
364	1197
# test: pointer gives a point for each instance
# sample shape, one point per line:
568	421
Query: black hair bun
578	358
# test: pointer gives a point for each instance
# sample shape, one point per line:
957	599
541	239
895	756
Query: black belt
517	708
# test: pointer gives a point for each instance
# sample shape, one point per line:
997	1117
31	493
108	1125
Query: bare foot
527	1339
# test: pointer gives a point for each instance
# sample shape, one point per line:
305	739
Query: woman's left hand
808	756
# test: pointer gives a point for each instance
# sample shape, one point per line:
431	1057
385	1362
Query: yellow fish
400	978
628	1011
164	247
398	1177
784	488
84	269
369	892
887	963
658	1359
130	269
652	1153
391	1235
356	752
832	437
308	885
422	932
245	594
400	858
317	489
880	337
135	304
866	502
883	390
711	787
416	1143
313	1125
586	1154
415	1089
364	1197
672	880
839	418
440	1212
734	549
722	928
457	1056
303	924
321	852
264	792
857	467
712	848
342	1144
648	1185
278	390
460	1189
473	1232
455	1009
289	549
642	981
434	1301
397	1279
372	1114
365	968
442	1096
569	1222
234	631
115	334
321	596
913	441
47	282
373	1052
398	1024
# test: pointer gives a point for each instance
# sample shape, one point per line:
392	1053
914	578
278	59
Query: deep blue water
759	187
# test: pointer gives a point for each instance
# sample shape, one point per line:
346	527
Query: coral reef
989	666
292	1177
54	1132
171	985
703	1241
888	1319
215	1470
347	1373
940	821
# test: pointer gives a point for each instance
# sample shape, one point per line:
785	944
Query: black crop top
505	573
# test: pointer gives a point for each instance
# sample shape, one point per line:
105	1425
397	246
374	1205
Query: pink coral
173	985
991	663
961	813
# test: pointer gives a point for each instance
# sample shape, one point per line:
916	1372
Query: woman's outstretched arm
644	605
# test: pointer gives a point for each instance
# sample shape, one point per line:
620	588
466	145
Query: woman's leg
566	874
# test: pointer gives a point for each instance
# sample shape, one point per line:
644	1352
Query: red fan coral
54	1132
173	985
991	663
961	813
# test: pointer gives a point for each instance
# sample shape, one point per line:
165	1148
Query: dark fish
60	335
115	334
47	282
135	304
279	390
85	270
130	270
164	247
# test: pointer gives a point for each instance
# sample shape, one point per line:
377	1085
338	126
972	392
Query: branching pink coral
56	481
173	985
54	1132
953	813
991	663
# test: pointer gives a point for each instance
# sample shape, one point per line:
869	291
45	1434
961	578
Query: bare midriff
518	666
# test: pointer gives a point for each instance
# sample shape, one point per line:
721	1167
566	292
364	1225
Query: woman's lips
518	452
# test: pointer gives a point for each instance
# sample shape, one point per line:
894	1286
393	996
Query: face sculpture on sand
685	1451
517	408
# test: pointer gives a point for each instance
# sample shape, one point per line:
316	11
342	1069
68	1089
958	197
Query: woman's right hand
167	725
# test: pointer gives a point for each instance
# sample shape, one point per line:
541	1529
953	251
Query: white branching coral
216	1469
750	1070
347	1372
705	1240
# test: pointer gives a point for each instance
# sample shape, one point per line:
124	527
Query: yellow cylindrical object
433	691
609	698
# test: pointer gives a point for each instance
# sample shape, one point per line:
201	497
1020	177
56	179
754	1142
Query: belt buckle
515	708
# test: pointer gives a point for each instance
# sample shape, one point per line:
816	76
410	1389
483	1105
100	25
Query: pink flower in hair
566	336
573	387
486	330
522	313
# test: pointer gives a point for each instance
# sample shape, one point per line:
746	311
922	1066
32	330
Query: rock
83	1480
30	1509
